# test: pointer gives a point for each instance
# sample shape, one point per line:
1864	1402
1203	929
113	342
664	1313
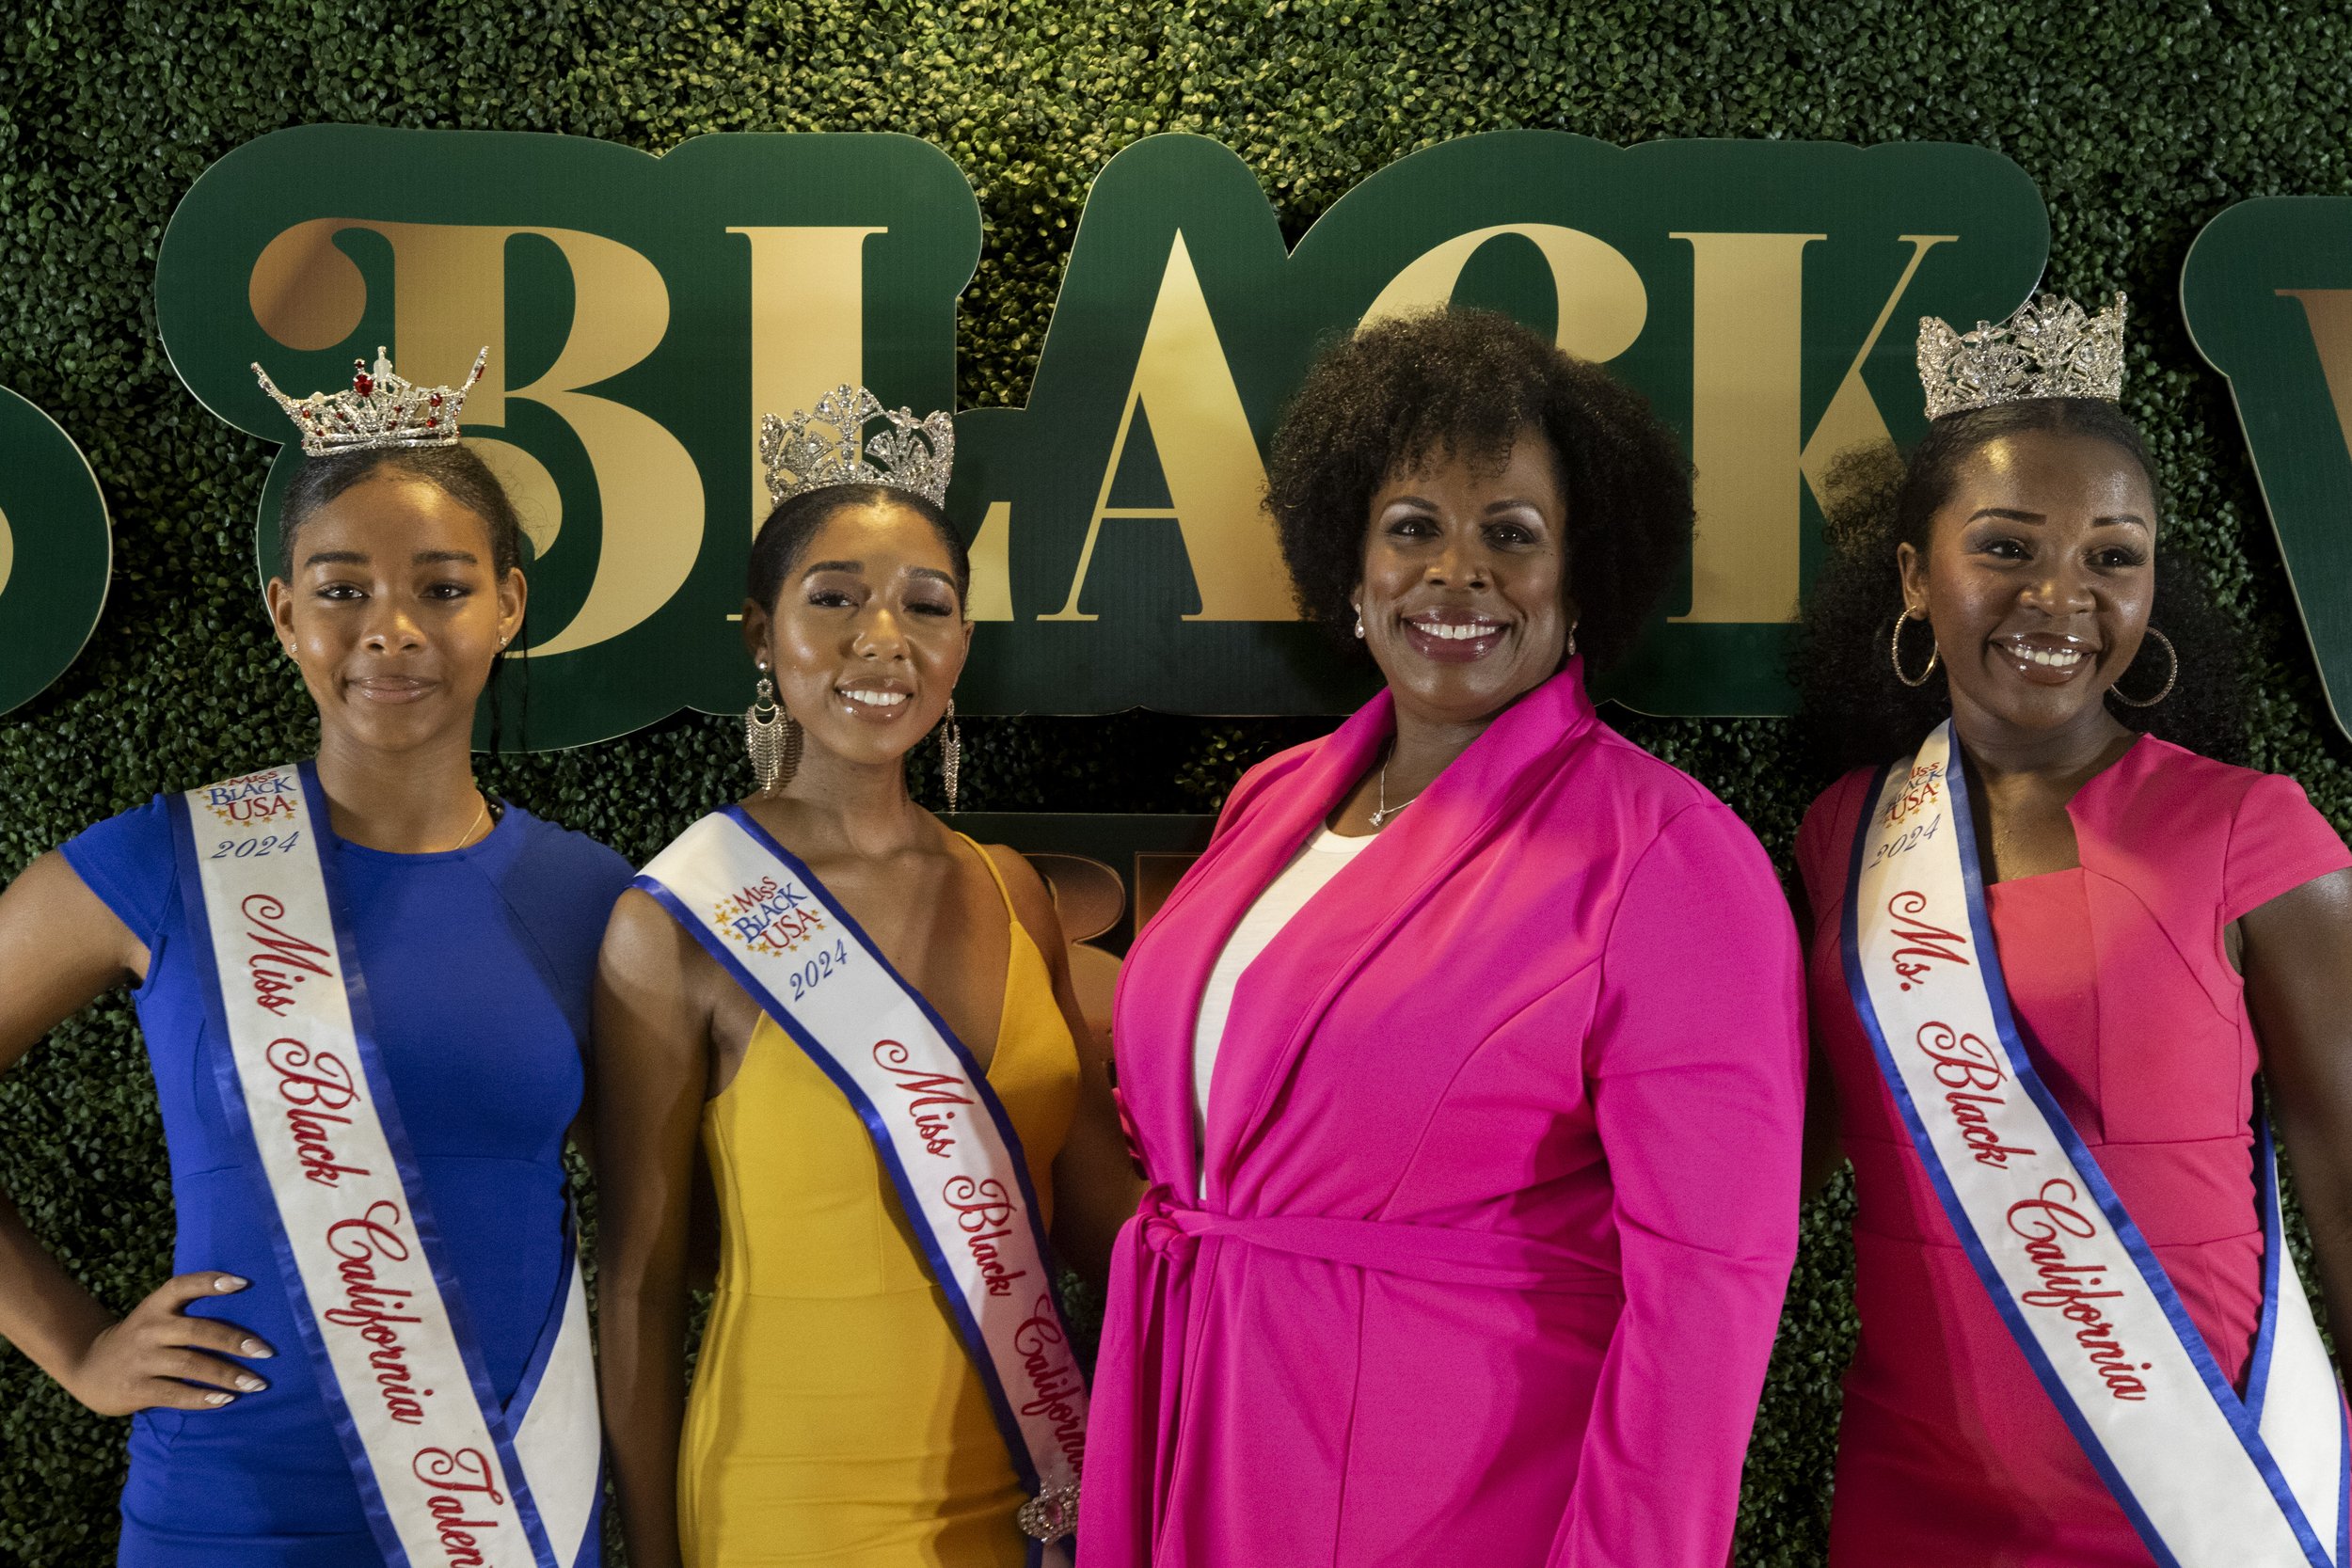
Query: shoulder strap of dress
997	875
1017	932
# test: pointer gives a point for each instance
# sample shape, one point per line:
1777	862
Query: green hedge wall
2139	122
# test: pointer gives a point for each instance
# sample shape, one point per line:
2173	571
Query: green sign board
2267	291
639	314
55	550
642	313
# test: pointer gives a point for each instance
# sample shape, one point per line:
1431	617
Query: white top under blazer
1325	857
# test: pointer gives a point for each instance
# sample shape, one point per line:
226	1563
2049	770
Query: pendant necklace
1386	809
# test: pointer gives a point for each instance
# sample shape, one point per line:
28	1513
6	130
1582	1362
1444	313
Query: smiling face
1464	589
2039	578
867	634
394	613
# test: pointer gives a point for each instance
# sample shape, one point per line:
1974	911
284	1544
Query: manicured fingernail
255	1350
250	1383
218	1399
228	1282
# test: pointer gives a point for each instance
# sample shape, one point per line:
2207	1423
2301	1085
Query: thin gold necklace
472	825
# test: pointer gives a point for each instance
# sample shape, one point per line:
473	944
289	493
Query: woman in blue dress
474	925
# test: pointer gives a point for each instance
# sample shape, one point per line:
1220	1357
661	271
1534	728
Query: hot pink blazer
1501	1155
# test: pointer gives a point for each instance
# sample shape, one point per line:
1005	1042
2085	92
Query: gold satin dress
835	1418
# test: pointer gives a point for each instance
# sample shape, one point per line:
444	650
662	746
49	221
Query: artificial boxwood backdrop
2138	121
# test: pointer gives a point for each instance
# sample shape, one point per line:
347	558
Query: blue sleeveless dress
478	964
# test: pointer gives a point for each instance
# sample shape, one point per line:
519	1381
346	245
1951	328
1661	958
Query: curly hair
1854	713
1467	383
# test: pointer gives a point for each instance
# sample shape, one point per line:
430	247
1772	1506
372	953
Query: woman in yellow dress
852	1405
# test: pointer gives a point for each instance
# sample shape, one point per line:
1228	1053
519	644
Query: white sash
937	1127
2208	1478
449	1477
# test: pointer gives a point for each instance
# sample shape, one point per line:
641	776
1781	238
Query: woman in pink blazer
1466	1064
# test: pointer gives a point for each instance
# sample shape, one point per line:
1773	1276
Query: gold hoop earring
2170	675
1895	650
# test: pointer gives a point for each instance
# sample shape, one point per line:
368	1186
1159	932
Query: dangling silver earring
2170	677
1360	620
1572	639
951	754
771	737
1895	650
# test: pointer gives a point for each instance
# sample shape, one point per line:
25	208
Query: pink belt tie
1442	1254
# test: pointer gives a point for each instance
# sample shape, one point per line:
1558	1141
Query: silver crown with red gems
913	455
380	410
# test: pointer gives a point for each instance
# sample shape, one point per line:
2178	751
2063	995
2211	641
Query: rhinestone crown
913	455
2048	349
380	410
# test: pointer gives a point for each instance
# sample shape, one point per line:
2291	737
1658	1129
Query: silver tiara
380	410
912	455
2048	349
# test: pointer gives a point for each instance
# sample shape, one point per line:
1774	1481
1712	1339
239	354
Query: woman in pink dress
1466	1064
2166	925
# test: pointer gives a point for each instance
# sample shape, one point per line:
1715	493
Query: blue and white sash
2209	1479
449	1476
937	1127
